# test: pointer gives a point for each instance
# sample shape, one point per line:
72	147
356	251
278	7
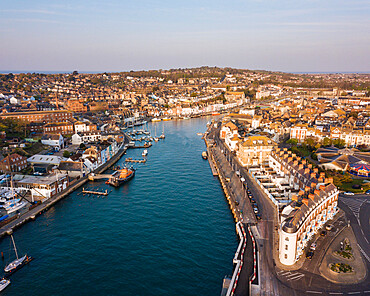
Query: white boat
15	206
145	153
17	263
156	119
4	283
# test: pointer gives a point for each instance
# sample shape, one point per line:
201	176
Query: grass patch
341	268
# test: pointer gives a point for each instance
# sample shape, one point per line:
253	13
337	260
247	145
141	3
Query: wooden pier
105	193
135	160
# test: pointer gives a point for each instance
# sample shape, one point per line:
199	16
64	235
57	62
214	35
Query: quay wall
31	214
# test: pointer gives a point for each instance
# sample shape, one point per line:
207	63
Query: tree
292	141
339	143
66	154
310	142
82	146
326	142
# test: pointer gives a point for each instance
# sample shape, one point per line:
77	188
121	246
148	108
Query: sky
122	35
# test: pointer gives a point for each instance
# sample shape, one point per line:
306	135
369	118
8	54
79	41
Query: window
285	256
286	247
287	239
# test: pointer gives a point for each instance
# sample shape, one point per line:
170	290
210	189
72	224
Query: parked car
253	200
255	209
329	227
367	191
258	216
323	233
313	246
309	254
349	193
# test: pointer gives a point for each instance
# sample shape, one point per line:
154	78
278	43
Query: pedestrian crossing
290	275
354	204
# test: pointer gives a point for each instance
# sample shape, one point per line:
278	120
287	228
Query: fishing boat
17	263
145	153
204	155
121	176
4	283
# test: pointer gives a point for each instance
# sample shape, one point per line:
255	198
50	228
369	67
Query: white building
56	141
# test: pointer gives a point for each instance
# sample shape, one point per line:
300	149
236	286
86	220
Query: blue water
168	231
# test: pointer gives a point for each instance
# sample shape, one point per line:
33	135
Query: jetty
30	215
135	160
105	193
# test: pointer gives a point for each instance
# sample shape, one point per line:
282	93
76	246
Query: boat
121	176
204	155
145	153
17	263
156	119
199	134
4	283
162	136
215	113
14	206
166	119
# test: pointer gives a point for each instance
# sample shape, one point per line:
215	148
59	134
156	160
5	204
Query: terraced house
315	204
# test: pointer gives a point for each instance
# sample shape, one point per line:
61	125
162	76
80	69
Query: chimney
305	201
312	197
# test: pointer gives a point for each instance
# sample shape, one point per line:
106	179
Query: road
306	280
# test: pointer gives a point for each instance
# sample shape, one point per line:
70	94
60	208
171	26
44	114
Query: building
315	203
254	150
43	187
82	127
75	106
13	163
87	137
39	116
56	141
63	128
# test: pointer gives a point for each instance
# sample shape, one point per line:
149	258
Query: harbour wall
31	214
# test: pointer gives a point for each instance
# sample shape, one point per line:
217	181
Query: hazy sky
89	35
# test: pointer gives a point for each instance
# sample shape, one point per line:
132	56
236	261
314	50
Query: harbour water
168	231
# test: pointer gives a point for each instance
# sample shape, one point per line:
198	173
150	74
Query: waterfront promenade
42	207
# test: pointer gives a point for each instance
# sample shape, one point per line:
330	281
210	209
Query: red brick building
64	128
39	116
75	106
13	163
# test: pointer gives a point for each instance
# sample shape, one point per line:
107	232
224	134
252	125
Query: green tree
339	143
292	141
326	142
66	154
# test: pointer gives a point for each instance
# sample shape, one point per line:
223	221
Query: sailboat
162	136
155	134
14	204
17	263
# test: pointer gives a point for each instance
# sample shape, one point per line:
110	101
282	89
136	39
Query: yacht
145	153
4	283
17	263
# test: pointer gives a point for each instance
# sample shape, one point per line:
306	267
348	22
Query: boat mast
15	249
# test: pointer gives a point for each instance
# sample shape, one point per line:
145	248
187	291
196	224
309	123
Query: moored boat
145	153
166	118
121	176
17	263
4	283
204	155
156	119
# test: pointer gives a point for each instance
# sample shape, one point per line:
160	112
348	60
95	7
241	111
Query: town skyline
122	36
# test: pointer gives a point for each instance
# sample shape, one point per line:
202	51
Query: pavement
305	278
